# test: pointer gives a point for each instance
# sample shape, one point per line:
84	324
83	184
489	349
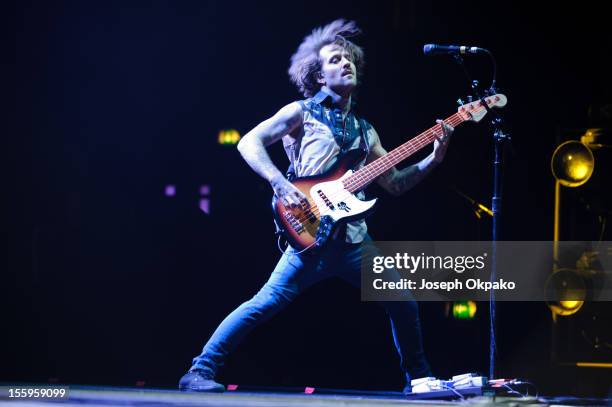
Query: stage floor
112	396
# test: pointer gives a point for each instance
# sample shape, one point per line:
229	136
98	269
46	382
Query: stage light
205	205
567	288
228	137
464	309
592	138
205	199
572	163
570	304
170	190
565	308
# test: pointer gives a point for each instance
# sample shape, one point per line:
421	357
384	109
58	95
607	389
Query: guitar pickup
327	201
295	224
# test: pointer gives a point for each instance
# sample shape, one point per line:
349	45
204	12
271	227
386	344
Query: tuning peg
470	98
460	102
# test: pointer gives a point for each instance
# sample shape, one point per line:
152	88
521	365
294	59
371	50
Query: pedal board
447	394
459	386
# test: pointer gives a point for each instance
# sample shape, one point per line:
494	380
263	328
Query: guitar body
331	204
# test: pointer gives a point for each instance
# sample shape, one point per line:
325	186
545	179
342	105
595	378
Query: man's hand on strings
443	133
289	195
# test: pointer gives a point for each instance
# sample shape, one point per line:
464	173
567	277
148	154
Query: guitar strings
404	150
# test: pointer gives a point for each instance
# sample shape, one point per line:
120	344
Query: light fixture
572	165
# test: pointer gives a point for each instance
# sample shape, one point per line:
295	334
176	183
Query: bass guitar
331	195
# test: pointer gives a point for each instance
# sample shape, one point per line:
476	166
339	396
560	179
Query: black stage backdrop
109	281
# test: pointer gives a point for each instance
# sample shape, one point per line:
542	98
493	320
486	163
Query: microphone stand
499	138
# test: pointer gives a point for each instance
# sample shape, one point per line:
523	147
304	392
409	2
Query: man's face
338	71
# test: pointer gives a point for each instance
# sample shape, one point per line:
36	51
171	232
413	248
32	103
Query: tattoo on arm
399	181
395	181
253	145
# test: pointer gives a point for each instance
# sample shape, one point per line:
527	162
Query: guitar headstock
475	111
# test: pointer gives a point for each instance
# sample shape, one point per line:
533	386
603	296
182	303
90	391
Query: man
315	132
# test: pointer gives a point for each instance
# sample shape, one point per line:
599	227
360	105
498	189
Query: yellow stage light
565	308
572	163
464	309
228	137
567	290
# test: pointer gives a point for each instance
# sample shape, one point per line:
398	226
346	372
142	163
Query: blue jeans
293	274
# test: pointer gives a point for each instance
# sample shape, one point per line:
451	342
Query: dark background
108	281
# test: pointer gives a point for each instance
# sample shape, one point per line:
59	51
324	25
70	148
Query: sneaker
196	380
423	371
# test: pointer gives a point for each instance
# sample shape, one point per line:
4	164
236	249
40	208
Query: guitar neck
364	176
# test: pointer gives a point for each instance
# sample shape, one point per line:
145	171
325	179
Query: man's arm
395	181
253	145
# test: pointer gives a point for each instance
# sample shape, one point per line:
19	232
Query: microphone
434	49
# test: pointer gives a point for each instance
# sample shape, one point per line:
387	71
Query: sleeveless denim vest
323	138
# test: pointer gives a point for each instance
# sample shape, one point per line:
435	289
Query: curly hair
306	64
